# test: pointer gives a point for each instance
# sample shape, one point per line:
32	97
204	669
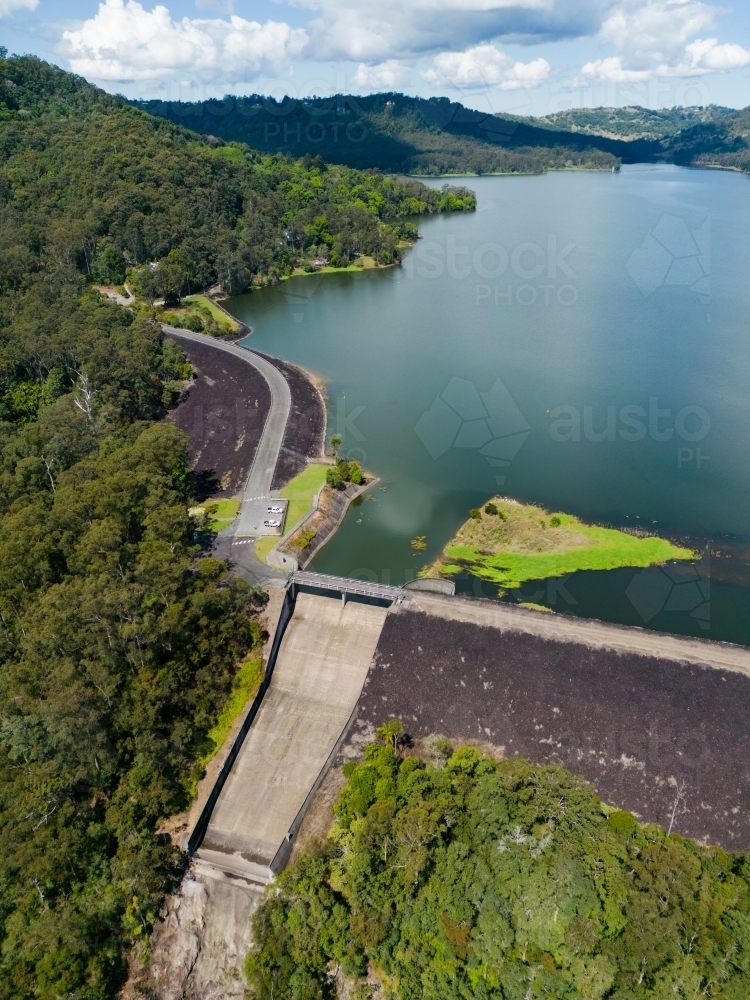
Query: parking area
262	516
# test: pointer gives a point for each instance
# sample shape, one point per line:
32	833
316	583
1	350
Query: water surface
580	341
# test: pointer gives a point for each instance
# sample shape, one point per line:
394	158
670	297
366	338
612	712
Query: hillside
701	136
465	876
393	132
635	122
403	134
120	645
723	143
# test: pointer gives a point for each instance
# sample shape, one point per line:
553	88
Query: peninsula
508	543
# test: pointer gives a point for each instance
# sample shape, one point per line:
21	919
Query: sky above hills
522	56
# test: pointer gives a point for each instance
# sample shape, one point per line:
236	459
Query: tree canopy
89	184
119	643
468	877
436	136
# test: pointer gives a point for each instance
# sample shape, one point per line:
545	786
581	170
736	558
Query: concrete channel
322	663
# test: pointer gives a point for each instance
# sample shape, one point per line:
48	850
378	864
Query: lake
581	342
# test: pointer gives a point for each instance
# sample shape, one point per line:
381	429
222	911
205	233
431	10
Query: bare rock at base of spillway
198	948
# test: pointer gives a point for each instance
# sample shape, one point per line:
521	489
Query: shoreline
509	543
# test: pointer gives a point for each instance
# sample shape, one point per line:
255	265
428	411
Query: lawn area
218	315
299	492
517	542
362	263
221	513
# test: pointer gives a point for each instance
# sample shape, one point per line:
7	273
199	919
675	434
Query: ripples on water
579	342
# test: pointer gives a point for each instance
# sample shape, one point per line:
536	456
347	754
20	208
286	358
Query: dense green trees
392	132
117	649
119	645
437	136
475	878
90	184
342	473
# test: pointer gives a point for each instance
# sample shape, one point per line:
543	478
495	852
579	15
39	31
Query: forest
398	133
452	875
120	641
394	133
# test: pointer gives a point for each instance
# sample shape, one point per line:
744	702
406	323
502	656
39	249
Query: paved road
322	664
258	486
588	632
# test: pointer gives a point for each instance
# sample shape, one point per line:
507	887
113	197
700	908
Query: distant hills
634	122
393	132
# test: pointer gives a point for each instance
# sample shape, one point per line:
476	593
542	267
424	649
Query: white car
275	510
272	524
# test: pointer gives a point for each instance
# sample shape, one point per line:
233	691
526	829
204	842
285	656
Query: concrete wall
321	666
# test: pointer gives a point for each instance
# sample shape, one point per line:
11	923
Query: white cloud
611	71
485	65
707	55
8	6
655	31
654	40
126	42
390	75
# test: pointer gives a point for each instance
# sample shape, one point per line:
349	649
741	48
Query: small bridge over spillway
319	660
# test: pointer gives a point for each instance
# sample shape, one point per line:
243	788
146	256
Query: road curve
261	473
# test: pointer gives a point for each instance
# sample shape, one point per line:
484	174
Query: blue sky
525	56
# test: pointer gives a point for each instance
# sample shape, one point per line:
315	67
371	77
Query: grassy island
508	543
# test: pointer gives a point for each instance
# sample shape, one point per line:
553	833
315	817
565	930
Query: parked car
272	524
275	510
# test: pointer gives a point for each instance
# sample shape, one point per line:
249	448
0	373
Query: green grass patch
221	513
218	315
300	492
264	545
245	686
518	542
363	263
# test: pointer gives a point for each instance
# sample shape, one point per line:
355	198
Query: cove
579	342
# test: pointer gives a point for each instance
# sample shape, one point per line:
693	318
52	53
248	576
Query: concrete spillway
322	664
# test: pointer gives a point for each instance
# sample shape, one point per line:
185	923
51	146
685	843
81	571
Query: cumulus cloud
655	31
707	55
611	71
126	42
8	6
485	65
654	39
390	75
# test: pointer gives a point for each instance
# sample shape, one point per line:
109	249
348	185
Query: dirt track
639	727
